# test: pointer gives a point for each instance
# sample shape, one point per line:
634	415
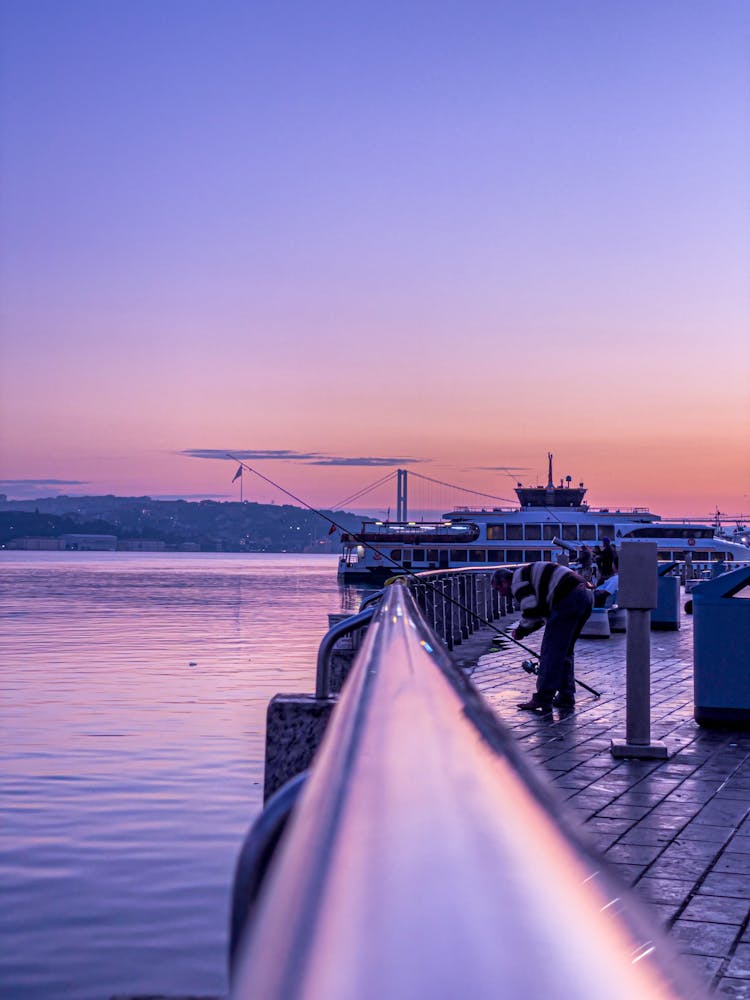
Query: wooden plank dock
678	830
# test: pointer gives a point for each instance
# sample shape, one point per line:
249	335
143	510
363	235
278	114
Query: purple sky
459	233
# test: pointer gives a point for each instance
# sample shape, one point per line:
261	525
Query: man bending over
547	592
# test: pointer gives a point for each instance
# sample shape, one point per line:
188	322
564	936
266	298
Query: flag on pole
332	529
237	474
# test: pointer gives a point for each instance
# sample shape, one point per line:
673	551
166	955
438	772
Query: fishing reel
530	666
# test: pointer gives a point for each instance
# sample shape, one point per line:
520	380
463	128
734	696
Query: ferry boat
548	520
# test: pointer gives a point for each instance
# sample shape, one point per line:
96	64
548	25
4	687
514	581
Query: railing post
469	596
430	605
486	601
447	613
454	610
438	606
495	603
463	614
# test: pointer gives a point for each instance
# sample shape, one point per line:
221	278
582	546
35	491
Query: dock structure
421	852
677	830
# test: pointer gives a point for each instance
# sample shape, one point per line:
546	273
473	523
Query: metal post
463	594
495	603
471	593
638	593
430	606
448	613
638	678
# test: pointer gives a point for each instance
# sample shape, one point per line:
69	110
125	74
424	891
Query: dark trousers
556	669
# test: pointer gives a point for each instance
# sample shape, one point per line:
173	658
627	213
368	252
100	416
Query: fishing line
394	562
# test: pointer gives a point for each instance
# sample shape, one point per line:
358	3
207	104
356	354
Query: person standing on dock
607	560
586	562
556	595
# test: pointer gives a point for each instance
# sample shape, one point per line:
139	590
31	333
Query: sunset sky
346	237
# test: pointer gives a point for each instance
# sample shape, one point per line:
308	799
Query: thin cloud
257	455
40	484
287	455
366	462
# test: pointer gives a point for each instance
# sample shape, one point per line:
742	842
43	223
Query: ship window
515	556
661	532
550	531
665	556
496	532
496	556
533	555
606	531
396	554
570	532
432	555
533	532
701	556
514	532
477	555
418	555
588	532
458	555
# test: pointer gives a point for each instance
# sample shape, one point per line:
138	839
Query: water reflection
132	739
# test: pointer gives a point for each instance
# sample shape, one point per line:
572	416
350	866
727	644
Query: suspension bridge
420	497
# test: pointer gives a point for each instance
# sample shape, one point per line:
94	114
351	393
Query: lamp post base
642	751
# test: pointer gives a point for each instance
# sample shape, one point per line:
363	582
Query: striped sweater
537	587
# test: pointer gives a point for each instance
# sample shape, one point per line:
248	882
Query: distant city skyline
347	239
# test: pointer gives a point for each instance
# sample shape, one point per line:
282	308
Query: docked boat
545	517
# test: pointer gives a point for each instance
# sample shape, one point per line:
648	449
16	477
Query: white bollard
638	593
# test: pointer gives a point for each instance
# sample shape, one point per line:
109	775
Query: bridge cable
364	490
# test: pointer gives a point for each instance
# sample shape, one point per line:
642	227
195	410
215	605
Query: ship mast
550	484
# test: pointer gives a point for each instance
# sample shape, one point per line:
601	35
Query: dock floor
678	830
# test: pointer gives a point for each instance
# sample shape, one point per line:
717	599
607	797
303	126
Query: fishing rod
531	667
394	562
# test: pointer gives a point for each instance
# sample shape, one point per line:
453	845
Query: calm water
132	722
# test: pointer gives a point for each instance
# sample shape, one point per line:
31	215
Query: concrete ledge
295	724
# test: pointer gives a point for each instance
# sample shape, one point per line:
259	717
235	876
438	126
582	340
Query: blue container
721	650
666	614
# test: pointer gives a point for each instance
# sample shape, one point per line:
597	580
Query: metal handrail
426	858
370	599
256	855
332	636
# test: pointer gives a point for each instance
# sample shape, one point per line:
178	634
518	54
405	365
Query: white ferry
528	533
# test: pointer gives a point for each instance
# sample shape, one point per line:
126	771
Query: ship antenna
550	484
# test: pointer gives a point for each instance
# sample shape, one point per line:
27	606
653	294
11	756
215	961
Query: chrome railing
425	857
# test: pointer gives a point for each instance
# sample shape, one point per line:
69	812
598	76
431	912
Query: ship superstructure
527	533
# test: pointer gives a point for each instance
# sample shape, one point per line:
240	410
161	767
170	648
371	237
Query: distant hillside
213	526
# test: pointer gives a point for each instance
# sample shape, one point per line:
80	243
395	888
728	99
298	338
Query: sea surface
133	691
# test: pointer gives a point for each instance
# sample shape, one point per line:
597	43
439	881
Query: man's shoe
535	705
561	701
